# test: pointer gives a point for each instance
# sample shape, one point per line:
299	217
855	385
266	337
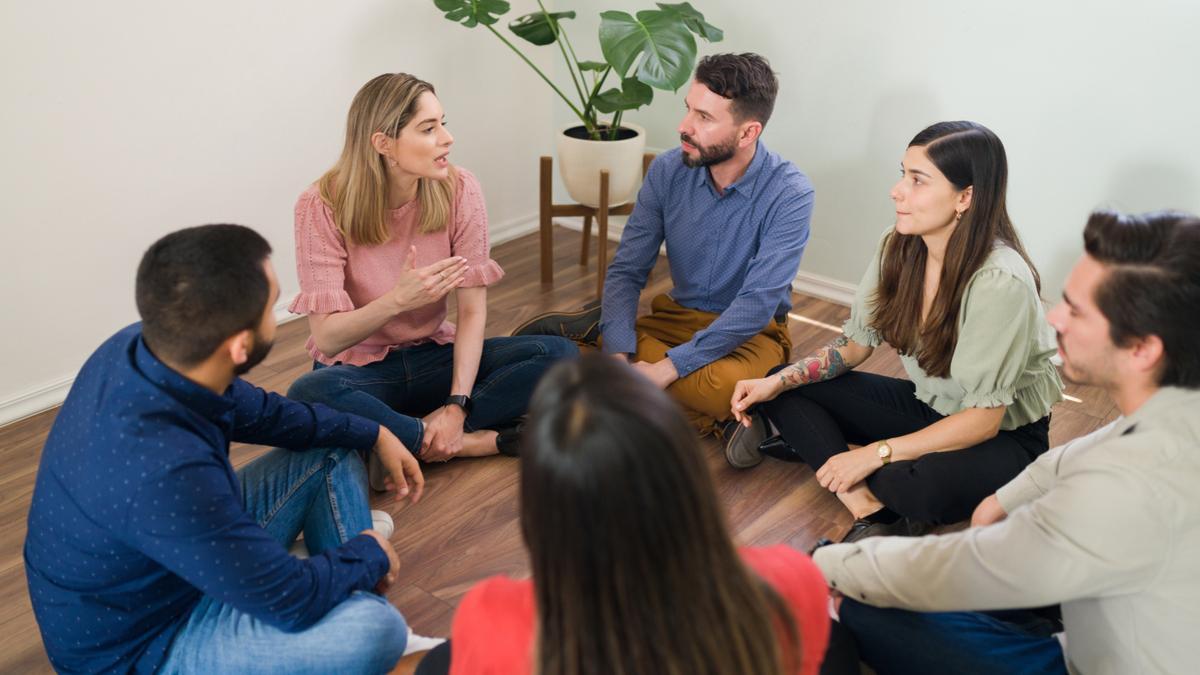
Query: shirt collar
200	399
749	180
1161	401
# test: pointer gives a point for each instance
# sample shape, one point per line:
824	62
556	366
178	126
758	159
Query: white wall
124	121
1096	103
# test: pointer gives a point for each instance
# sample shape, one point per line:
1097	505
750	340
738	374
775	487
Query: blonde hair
356	187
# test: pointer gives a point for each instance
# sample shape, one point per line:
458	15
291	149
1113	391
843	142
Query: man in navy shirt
734	217
147	552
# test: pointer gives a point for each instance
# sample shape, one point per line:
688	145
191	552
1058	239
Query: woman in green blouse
952	289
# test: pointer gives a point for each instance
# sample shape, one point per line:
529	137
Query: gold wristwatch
885	452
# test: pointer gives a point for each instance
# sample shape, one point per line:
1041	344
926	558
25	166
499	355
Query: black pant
819	420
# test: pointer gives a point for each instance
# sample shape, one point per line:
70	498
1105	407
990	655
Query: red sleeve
794	576
493	629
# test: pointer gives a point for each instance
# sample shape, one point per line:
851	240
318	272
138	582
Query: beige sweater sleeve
1099	530
1037	478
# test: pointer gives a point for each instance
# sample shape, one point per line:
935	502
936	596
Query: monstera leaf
540	28
664	44
471	13
633	94
694	20
597	66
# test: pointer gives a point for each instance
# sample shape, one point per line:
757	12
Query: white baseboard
47	396
35	400
498	233
824	287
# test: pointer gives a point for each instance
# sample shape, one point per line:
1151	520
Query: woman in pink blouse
381	240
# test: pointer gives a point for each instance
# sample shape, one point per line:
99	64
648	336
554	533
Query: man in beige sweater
1107	525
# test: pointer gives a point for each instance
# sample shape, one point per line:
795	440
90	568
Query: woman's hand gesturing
418	287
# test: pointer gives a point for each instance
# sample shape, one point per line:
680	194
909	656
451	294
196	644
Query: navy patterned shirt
734	253
137	513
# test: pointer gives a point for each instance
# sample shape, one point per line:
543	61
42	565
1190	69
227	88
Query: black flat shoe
508	440
778	448
902	527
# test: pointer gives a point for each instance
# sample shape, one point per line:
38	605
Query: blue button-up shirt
734	253
137	513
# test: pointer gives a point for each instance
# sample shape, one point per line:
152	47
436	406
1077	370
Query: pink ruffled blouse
336	277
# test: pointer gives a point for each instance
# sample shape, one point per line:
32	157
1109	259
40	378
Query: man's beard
713	154
257	354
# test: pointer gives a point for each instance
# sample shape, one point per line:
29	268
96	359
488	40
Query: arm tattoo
826	364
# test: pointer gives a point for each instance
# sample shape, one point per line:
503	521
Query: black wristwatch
461	401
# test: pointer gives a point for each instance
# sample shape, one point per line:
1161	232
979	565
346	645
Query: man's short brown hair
746	79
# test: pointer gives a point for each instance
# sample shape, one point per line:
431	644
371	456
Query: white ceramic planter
580	162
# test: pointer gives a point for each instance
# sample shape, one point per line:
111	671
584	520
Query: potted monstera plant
654	49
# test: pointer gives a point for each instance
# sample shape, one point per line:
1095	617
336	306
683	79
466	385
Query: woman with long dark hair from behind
633	567
952	289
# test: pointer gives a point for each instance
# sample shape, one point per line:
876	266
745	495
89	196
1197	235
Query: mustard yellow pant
705	393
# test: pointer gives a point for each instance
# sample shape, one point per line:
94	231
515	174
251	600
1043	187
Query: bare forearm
468	343
835	358
335	333
961	430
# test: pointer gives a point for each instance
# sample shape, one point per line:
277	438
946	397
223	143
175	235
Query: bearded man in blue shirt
147	552
734	217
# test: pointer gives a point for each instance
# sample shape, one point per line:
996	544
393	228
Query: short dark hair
1152	286
746	79
198	286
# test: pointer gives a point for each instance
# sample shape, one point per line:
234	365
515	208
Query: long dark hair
633	567
969	155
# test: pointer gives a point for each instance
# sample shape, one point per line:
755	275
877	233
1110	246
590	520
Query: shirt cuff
361	433
366	548
686	359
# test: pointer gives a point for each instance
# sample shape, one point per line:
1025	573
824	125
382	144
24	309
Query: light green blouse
1002	356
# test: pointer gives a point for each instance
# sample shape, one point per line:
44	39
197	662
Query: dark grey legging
819	420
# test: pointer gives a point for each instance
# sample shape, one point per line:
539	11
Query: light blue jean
323	493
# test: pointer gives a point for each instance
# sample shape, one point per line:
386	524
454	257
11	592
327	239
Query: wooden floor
466	526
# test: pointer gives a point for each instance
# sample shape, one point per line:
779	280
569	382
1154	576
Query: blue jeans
323	493
413	382
899	642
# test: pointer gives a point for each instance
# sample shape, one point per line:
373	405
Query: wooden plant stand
548	210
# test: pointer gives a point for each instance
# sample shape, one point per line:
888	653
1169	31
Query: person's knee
372	634
556	348
312	387
922	502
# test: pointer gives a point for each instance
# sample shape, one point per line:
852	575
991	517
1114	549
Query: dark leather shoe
582	325
903	527
741	444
